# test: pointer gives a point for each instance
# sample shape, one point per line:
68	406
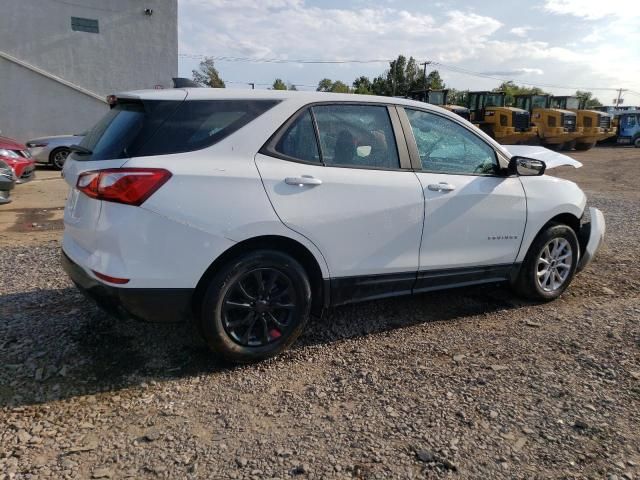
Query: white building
59	59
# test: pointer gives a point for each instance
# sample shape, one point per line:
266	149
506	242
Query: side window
299	141
446	147
356	136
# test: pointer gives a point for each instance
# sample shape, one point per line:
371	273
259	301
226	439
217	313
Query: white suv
248	211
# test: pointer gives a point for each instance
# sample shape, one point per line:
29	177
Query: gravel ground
462	384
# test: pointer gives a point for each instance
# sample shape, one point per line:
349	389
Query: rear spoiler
181	82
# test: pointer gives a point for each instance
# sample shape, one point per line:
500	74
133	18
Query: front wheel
636	142
549	265
256	306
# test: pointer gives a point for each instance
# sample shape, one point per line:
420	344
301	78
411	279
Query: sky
557	44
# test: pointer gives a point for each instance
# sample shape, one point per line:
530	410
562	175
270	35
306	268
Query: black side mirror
526	167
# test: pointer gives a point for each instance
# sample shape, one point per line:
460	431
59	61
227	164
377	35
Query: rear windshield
143	128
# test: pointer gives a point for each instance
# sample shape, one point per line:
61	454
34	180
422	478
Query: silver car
53	150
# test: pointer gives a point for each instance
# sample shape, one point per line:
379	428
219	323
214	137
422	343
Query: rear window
143	128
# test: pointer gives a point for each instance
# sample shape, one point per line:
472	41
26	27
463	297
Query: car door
340	175
474	215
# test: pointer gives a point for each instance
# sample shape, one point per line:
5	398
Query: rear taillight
131	186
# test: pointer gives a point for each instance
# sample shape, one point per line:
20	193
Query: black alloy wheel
258	307
255	306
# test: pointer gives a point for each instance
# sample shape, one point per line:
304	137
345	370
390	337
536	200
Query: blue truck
629	128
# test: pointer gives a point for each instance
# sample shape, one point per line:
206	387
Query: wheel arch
297	250
564	217
55	150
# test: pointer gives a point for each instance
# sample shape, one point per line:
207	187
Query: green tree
589	100
362	85
327	85
511	90
380	86
456	97
403	76
278	84
434	80
324	85
397	76
340	87
207	75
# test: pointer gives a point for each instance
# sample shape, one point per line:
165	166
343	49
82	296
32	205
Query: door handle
441	187
303	180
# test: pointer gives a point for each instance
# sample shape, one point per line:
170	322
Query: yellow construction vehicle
557	128
596	126
508	125
439	98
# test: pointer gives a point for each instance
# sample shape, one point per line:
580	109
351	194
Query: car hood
549	157
11	144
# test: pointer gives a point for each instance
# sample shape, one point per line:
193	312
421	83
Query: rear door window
299	141
143	128
356	136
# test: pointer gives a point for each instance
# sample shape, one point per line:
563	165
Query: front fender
548	197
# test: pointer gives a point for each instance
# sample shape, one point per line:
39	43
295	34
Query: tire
532	282
256	306
58	156
585	146
553	146
567	146
636	142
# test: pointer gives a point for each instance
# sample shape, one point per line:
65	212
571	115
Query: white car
248	211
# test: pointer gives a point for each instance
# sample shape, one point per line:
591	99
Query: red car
17	156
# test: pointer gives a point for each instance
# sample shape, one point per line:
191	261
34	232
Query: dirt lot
464	384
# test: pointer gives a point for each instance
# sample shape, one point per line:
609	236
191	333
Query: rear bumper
591	236
149	304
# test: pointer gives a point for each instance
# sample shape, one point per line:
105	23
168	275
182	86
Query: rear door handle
441	187
303	180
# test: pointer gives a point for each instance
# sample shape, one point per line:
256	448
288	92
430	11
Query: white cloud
515	72
593	9
520	31
292	29
265	29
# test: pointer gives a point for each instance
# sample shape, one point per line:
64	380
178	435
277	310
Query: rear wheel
58	157
569	145
256	306
585	146
549	265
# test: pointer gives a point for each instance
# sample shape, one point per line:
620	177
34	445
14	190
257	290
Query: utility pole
424	78
620	90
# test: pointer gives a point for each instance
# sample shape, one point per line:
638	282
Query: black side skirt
346	290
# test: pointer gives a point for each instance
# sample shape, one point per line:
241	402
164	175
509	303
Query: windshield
573	103
539	101
628	121
436	98
494	100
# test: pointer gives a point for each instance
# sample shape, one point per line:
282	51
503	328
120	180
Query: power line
278	60
452	68
547	85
